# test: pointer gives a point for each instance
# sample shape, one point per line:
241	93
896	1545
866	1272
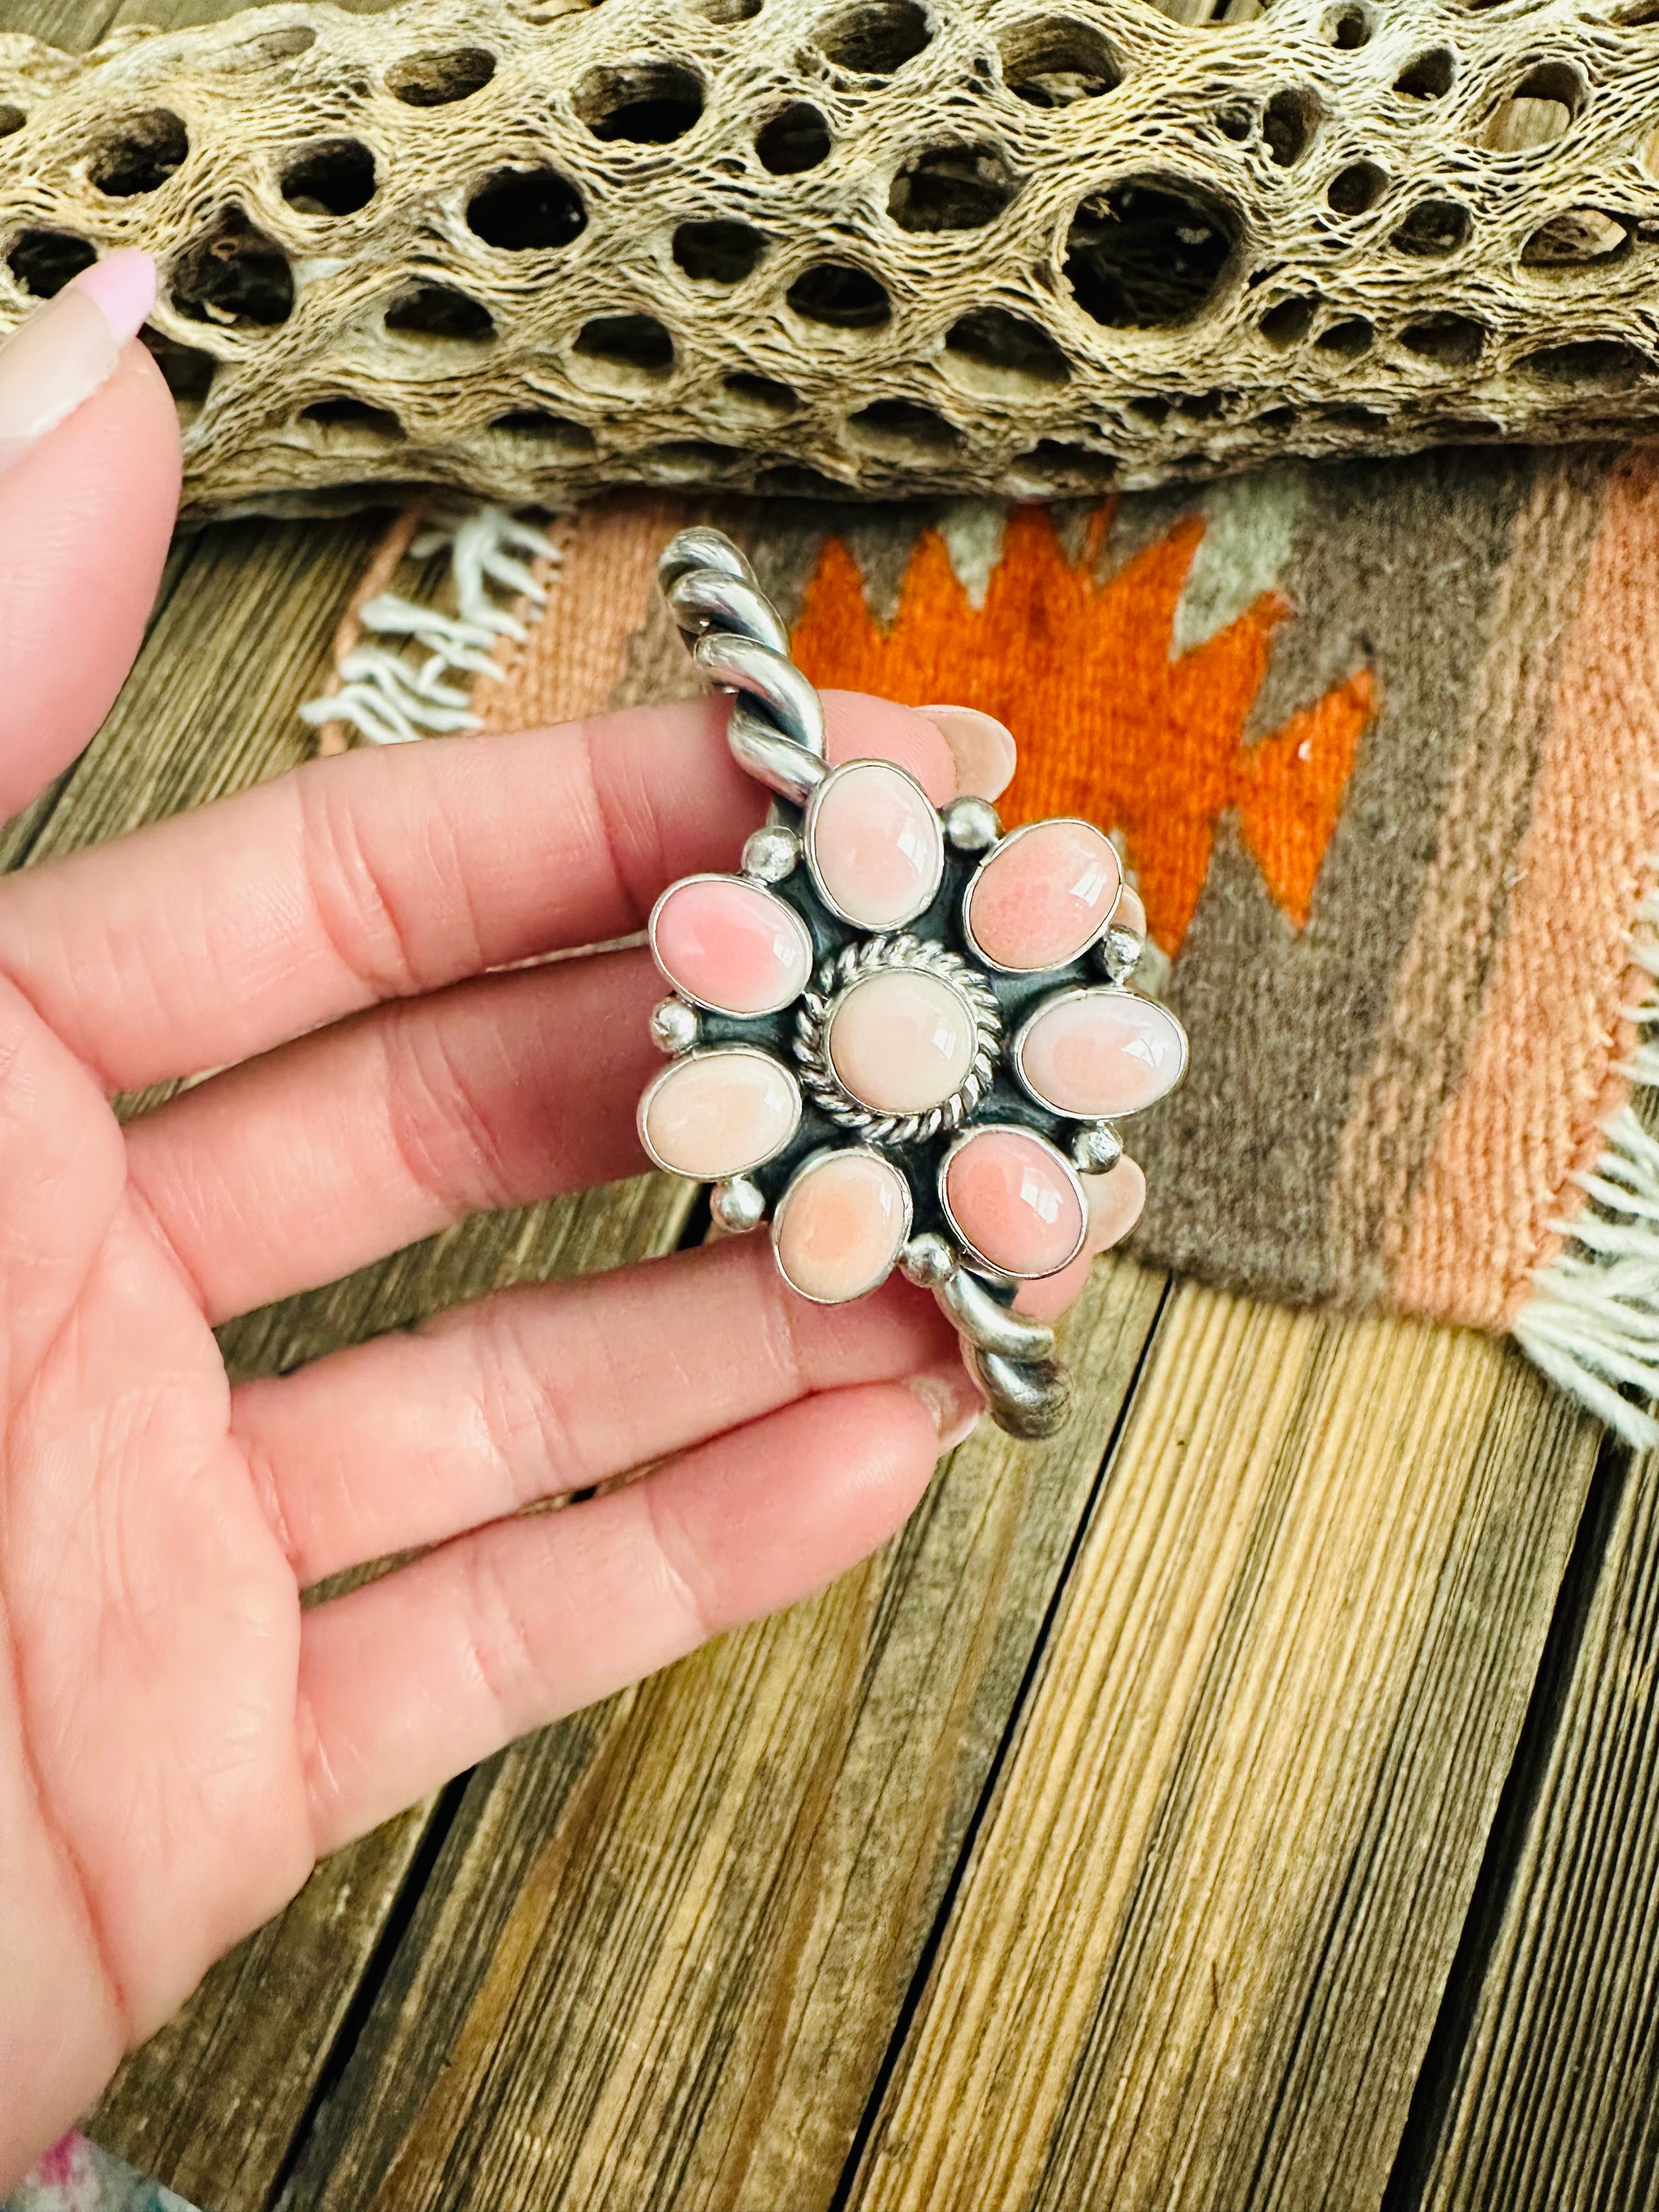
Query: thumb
89	491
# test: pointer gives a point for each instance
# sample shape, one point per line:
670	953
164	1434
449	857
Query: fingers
293	1169
412	1678
982	749
415	1437
88	490
385	873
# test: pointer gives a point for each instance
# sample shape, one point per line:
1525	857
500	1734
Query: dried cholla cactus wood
878	243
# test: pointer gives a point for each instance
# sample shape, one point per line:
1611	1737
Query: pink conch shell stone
901	1040
840	1225
1043	895
731	944
1105	1052
718	1113
875	844
1015	1200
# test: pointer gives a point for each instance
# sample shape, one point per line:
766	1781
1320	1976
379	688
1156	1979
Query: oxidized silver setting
776	732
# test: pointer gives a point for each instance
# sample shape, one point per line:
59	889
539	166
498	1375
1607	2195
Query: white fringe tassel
387	693
1592	1322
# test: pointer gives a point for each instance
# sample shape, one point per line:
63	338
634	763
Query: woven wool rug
1380	745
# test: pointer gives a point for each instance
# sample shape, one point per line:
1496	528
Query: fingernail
983	750
954	1405
54	363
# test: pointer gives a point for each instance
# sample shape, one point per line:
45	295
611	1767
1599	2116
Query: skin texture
179	1742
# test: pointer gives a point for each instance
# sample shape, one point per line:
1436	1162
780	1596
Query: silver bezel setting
1003	845
854	964
998	1272
676	1067
810	843
757	890
810	1167
1016	1054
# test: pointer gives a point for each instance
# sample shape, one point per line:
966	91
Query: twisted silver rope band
776	732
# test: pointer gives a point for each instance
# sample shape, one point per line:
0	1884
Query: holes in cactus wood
1237	123
991	351
796	138
688	460
718	252
903	430
332	176
438	311
1355	189
1433	228
1349	338
562	438
840	296
187	372
43	261
623	353
1453	341
1052	63
1599	364
1058	466
792	480
525	210
642	104
140	155
1428	77
765	392
951	188
353	422
1349	28
1288	322
1288	124
876	39
729	11
11	119
1354	418
1581	238
1148	254
1539	110
441	78
232	273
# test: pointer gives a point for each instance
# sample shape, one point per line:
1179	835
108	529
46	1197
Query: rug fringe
380	688
1592	1322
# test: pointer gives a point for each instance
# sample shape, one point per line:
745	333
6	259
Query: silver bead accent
737	1205
771	853
674	1026
928	1261
971	824
1119	953
1096	1148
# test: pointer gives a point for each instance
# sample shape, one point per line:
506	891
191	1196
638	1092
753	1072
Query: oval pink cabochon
731	944
1043	895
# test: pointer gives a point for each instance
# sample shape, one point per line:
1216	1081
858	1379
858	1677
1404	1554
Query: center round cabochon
901	1042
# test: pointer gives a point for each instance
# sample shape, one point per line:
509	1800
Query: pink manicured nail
954	1403
982	749
54	363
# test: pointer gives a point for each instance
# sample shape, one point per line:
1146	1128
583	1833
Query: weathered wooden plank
662	1952
1549	2098
1199	1950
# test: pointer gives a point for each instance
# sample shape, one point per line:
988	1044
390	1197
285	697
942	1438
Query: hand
179	1742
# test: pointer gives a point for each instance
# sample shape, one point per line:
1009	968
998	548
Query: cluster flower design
904	1035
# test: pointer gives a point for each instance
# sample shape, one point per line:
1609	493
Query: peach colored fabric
1540	1074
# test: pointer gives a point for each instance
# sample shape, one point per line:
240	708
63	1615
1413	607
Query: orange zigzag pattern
1109	725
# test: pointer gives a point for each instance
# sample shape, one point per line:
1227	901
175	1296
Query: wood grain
1551	2100
661	1955
1200	1948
